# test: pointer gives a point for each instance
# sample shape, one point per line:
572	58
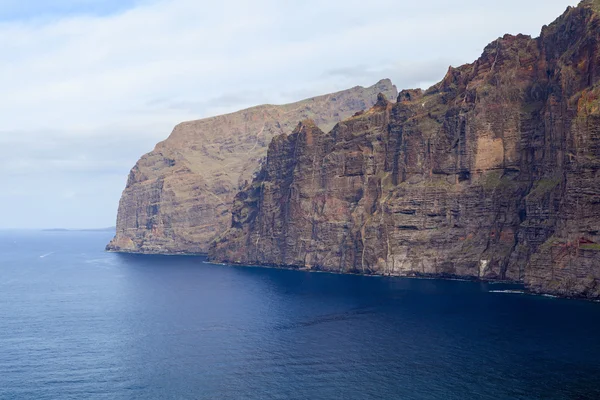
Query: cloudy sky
88	86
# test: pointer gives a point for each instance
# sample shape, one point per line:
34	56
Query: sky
88	86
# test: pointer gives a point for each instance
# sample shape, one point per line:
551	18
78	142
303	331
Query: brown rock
494	173
178	196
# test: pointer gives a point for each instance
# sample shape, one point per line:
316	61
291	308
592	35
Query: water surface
78	323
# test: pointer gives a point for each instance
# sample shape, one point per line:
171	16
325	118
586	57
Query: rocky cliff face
178	197
494	173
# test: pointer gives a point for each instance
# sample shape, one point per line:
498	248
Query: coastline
145	253
446	277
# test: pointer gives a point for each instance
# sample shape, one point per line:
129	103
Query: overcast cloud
89	86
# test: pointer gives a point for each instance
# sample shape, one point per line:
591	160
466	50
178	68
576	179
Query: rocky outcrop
494	173
178	197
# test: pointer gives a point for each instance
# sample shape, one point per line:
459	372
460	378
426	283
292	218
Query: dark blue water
78	323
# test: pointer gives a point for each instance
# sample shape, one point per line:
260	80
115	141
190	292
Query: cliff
494	173
178	197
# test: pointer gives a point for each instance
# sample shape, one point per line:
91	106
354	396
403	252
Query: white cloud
90	94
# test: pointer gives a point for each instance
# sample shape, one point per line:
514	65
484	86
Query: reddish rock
494	173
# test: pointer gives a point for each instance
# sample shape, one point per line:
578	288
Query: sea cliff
493	173
178	197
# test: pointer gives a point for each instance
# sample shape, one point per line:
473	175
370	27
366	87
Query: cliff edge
178	197
493	173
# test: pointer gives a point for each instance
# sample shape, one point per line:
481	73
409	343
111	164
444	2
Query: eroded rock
494	173
178	197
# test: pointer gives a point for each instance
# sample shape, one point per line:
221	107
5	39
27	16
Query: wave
549	295
47	254
214	263
508	291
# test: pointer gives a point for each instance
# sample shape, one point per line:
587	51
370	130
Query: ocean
79	323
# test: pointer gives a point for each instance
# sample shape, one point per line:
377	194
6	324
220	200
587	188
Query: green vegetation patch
548	244
594	3
429	127
543	187
496	180
437	183
589	102
590	246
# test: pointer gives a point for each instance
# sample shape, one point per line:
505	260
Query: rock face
178	197
494	173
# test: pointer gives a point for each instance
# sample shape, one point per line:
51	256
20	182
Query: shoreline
445	277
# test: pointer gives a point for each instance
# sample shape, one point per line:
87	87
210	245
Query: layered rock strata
178	197
494	173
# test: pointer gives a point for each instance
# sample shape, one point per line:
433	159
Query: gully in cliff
490	174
